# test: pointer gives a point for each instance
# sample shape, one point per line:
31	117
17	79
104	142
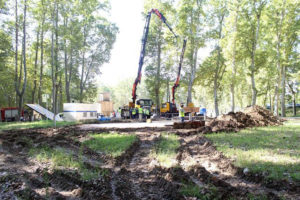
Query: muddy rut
136	174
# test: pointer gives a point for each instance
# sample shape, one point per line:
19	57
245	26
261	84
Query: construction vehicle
169	109
125	111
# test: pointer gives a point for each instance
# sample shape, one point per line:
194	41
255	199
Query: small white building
81	111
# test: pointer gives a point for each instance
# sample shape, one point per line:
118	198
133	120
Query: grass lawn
274	150
113	144
165	150
61	159
36	124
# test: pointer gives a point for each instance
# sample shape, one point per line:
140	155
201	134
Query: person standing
181	113
140	114
133	113
147	113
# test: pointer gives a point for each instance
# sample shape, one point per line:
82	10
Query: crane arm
143	48
176	84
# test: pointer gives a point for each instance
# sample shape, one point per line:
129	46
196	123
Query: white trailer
81	111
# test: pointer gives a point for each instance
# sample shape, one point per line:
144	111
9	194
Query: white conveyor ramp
44	112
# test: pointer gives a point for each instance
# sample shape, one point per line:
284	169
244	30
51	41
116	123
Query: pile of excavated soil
262	117
188	125
251	117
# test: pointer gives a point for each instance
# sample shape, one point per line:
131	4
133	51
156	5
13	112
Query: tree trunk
56	64
168	90
19	93
81	80
192	77
216	95
35	66
254	90
42	60
294	105
271	103
276	99
233	74
218	67
283	92
157	82
16	53
54	59
67	71
83	67
216	77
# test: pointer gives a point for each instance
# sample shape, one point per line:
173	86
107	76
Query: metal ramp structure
43	111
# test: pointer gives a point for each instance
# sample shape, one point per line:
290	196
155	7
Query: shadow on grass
274	151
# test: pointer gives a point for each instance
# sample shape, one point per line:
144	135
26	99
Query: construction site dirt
134	174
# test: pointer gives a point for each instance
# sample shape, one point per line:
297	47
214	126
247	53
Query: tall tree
35	66
97	41
18	78
42	53
254	17
234	13
190	25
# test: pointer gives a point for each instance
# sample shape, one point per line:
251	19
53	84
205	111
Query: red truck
10	114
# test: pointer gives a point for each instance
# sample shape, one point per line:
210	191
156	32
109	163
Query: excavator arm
176	84
143	48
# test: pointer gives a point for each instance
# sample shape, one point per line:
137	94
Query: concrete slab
155	124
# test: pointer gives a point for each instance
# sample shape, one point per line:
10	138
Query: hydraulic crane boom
143	48
176	84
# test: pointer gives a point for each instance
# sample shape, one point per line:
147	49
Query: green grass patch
190	190
274	150
36	124
165	150
193	190
61	159
113	144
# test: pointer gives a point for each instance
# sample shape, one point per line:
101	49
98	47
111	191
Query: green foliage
113	144
85	39
272	150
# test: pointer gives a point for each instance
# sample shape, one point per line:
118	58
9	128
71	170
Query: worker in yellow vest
181	113
140	110
147	113
133	113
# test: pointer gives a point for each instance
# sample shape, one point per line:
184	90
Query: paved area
156	124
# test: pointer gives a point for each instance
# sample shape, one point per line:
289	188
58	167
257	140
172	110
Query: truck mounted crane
144	102
143	48
168	109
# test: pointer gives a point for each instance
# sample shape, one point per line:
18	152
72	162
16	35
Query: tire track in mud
205	165
138	178
133	171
